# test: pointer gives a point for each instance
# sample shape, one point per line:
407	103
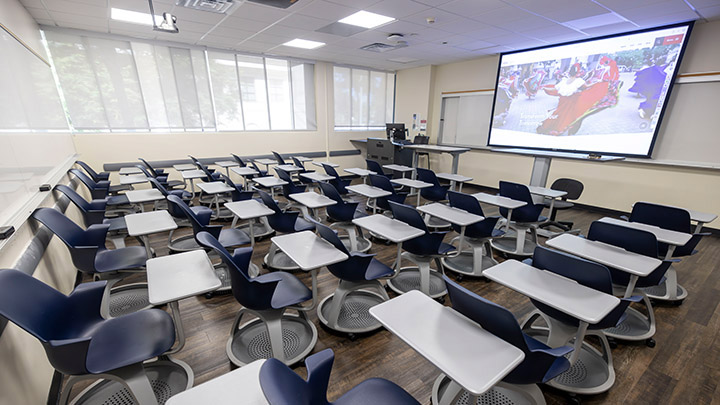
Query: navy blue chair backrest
492	317
428	176
269	201
146	172
155	183
83	245
149	167
672	218
331	192
198	224
32	305
239	160
382	182
331	171
89	170
590	274
520	192
298	163
278	158
92	213
330	235
409	215
465	202
632	240
248	293
281	385
374	166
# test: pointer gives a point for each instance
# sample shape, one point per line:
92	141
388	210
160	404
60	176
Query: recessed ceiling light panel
133	17
304	44
366	19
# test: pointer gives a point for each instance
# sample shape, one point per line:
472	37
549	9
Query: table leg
698	227
399	258
579	338
414	164
179	329
217	205
227	170
252	232
461	241
671	283
146	242
418	198
374	206
455	161
452	185
631	286
507	224
192	187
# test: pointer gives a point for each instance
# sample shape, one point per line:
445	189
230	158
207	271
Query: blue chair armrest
625	217
96	234
88	296
634	298
70	353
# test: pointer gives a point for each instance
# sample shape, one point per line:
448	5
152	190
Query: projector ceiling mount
168	23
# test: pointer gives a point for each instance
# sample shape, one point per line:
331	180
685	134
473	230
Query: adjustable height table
216	188
245	173
227	389
413	184
140	197
370	192
310	201
147	223
227	164
248	210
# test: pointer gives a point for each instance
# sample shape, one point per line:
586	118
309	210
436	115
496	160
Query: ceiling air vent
380	47
214	6
275	3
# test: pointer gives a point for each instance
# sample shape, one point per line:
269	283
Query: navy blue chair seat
337	181
98	190
131	257
285	222
383	182
282	386
435	193
201	222
342	213
160	175
374	166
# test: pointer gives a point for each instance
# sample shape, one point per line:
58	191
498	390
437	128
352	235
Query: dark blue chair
338	182
282	222
89	255
675	219
435	193
162	176
477	237
103	176
278	158
263	173
201	223
290	187
267	297
541	363
598	364
100	190
300	164
341	214
672	218
421	251
642	327
347	309
383	182
523	219
239	160
282	386
78	341
374	166
93	213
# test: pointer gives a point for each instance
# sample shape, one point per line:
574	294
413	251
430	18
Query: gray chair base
593	371
183	244
128	298
517	245
420	277
134	384
278	260
660	292
446	391
472	261
636	326
354	240
348	308
288	338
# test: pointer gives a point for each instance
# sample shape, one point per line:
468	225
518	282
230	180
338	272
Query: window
364	99
120	85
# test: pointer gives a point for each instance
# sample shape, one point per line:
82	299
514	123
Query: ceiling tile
429	35
397	8
204	17
500	16
327	11
611	29
710	13
440	16
136	5
32	3
475	45
69	7
460	26
38	13
433	3
252	11
470	8
360	4
551	31
655	10
244	24
619	5
304	22
78	19
232	33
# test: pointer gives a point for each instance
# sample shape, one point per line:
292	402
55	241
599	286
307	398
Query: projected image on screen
604	95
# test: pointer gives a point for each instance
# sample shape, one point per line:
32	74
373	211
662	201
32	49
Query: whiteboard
35	140
689	134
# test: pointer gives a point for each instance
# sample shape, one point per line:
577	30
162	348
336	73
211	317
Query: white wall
608	185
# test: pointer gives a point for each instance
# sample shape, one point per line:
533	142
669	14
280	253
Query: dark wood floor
684	367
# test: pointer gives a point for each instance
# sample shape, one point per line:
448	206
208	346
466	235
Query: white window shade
279	94
251	71
117	79
150	84
303	95
226	91
202	87
185	84
78	81
169	93
364	99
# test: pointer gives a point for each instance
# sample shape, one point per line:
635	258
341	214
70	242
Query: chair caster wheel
352	337
574	399
650	342
459	278
440	300
613	344
678	303
387	243
209	295
264	265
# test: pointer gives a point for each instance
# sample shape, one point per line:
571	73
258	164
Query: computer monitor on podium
395	132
